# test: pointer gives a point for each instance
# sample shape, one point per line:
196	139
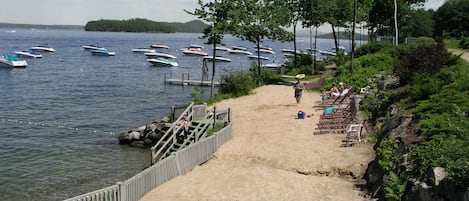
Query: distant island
144	25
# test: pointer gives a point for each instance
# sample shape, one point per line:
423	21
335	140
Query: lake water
60	116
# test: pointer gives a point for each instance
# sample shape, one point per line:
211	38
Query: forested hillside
144	25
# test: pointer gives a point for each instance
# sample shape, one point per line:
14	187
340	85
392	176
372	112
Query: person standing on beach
298	90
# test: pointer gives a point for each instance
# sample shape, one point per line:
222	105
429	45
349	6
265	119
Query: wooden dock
185	81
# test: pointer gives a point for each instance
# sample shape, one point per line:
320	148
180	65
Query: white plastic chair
355	128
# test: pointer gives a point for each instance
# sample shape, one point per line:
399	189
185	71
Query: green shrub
365	68
394	187
426	60
197	95
444	122
442	151
270	77
237	84
371	48
464	43
387	154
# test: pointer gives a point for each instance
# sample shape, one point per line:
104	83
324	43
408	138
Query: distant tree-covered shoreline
144	25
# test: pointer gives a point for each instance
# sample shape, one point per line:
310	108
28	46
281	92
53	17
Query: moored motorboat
195	52
104	52
162	62
222	48
93	47
42	48
161	46
12	61
28	53
143	50
260	57
217	58
239	48
238	51
267	51
159	54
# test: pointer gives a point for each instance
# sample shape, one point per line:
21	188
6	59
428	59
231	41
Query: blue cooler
301	115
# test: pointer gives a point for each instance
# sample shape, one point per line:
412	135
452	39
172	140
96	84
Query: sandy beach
274	156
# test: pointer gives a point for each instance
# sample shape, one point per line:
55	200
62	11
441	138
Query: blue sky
78	12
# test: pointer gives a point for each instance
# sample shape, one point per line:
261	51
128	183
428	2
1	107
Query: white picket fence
178	163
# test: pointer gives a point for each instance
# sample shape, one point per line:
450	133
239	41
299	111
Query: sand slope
274	156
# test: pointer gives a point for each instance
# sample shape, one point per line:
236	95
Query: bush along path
422	138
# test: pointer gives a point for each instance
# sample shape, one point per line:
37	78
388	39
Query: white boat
28	53
103	52
222	48
217	58
273	67
12	61
235	51
326	53
93	47
142	50
195	52
239	48
160	46
196	46
42	48
268	51
291	51
159	54
260	57
162	62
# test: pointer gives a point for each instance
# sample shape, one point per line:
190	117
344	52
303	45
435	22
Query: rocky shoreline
147	135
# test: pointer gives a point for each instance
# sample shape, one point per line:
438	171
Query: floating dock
185	80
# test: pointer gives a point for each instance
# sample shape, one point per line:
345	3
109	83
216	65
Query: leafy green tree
339	12
216	14
451	19
417	23
255	20
295	8
313	14
381	15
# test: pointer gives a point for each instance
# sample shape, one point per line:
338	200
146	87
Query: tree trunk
294	44
335	38
258	44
